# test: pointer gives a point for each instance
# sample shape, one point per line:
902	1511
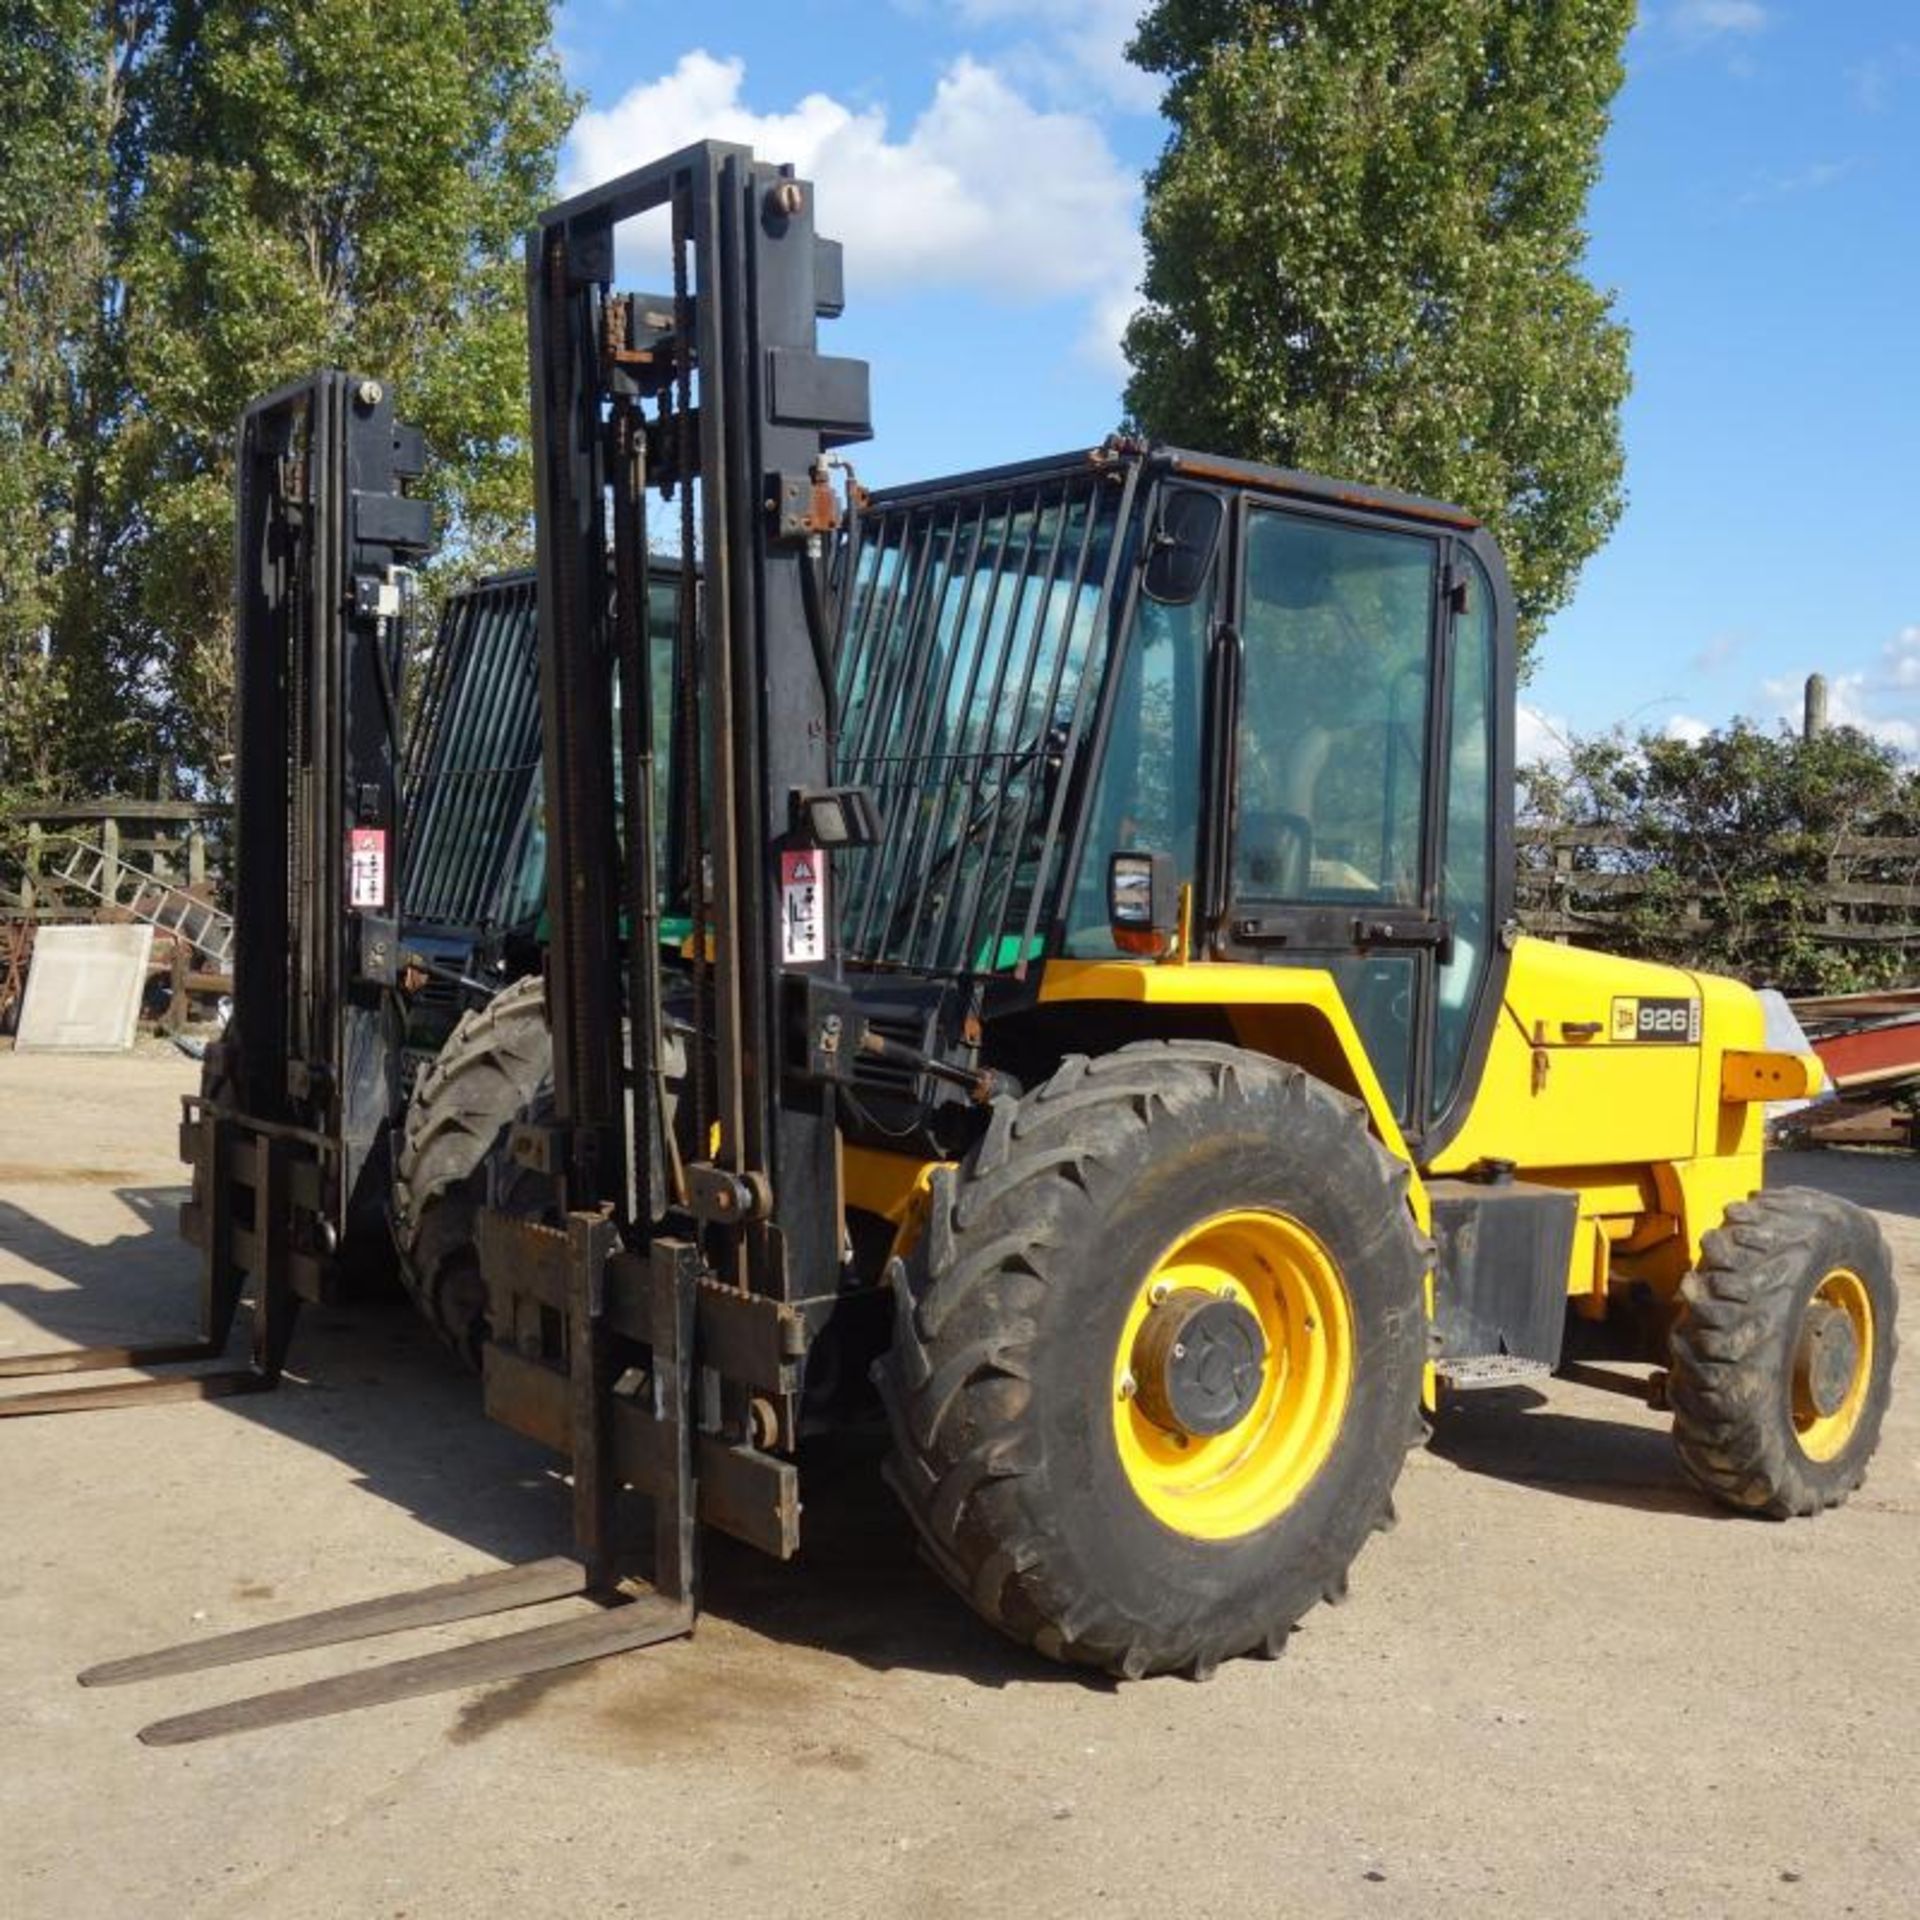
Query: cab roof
1212	468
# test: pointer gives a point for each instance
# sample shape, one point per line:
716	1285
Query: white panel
84	988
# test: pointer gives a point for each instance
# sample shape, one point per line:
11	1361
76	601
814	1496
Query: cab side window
1466	869
1332	737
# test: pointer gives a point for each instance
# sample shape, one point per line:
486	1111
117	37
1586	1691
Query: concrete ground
1565	1685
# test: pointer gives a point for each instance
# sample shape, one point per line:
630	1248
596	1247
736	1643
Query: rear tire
1748	1418
497	1064
1010	1385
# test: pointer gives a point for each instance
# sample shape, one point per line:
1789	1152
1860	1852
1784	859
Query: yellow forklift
1065	975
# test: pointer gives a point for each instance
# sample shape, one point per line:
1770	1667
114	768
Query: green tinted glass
1332	738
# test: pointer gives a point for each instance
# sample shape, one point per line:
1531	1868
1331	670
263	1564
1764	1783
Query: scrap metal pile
1869	1044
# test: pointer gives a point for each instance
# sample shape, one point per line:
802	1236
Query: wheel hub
1197	1362
1827	1357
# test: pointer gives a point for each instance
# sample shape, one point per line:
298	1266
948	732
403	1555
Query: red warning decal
803	906
367	867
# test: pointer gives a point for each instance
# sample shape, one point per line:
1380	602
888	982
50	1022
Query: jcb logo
1674	1021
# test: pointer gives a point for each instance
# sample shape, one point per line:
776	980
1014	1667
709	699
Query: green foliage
200	199
1734	846
62	105
1364	252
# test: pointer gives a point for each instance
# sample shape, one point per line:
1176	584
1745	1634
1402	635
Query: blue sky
1758	219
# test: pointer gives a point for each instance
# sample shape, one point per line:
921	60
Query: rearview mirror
1180	550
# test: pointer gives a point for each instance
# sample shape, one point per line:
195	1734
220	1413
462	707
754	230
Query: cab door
1360	814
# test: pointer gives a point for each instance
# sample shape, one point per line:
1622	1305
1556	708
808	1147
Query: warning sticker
803	906
367	867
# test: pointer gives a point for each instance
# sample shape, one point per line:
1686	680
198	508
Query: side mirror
1181	547
1143	903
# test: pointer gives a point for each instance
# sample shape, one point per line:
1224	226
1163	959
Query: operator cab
1248	710
1353	710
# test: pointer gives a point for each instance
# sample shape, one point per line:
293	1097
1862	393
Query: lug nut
1159	1291
1129	1386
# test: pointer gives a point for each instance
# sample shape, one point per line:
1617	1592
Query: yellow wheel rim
1823	1435
1220	1486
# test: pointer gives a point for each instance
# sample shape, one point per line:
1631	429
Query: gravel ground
1564	1685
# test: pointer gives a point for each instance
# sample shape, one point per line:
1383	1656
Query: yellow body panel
1575	1097
896	1186
1559	1090
1770	1076
1639	1087
1291	1013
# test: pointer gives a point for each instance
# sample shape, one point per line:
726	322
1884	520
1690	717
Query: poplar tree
1365	256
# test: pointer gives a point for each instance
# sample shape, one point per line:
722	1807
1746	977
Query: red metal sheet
1871	1053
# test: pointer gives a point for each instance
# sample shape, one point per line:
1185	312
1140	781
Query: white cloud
1854	701
1879	79
1539	738
1684	726
1816	177
984	190
1882	700
1072	45
1698	20
1718	651
1111	310
1901	658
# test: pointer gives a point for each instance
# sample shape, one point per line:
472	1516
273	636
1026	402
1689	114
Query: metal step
1467	1371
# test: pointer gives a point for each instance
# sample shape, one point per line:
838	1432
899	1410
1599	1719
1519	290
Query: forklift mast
287	1138
326	543
747	410
711	1216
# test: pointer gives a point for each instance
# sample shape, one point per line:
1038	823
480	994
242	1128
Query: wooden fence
181	841
1577	882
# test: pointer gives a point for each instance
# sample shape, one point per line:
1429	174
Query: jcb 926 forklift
1099	1015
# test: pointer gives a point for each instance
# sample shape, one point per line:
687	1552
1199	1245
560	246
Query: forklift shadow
102	1292
371	1387
859	1589
1507	1433
368	1385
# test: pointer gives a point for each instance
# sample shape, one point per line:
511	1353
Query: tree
1364	251
1730	847
200	199
67	141
332	183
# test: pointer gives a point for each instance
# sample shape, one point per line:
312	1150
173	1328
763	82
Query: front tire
1087	1493
496	1066
1782	1357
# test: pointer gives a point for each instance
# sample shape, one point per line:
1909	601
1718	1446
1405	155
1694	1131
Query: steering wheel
1276	853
